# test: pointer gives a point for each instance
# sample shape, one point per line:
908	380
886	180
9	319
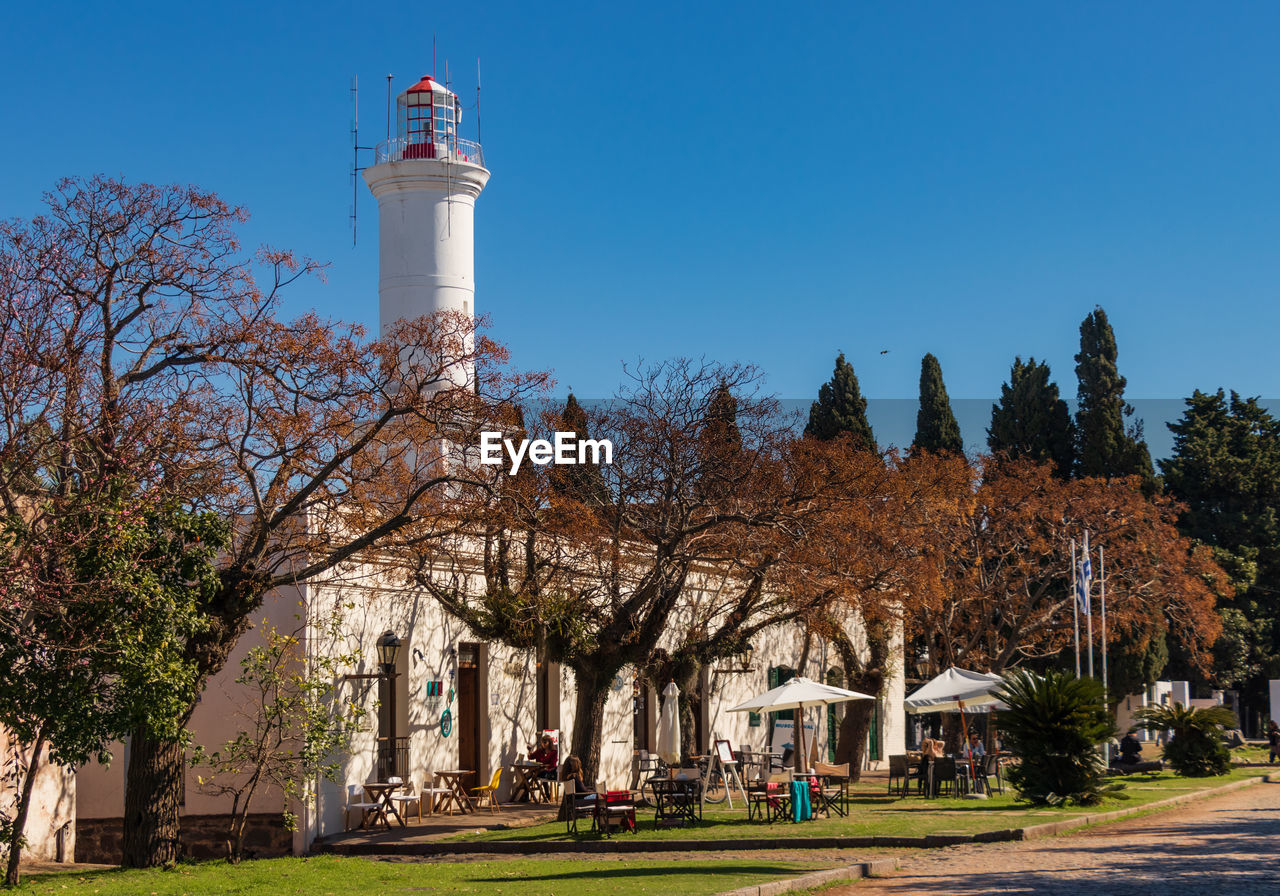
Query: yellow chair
489	792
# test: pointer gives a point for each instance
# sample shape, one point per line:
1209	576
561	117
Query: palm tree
1196	749
1055	723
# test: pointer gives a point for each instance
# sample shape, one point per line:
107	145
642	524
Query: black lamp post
388	654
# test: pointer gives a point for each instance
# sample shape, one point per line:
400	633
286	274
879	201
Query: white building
455	702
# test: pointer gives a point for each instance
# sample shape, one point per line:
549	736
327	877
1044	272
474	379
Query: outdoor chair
898	772
752	765
833	792
772	800
357	801
488	793
406	798
617	807
943	777
991	769
432	794
578	804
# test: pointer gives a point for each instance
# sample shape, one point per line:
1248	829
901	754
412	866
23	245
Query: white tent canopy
797	694
955	686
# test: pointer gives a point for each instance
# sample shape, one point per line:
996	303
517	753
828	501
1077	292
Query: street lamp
743	659
922	664
388	654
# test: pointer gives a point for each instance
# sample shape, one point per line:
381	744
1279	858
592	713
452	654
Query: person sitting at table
929	749
974	748
546	754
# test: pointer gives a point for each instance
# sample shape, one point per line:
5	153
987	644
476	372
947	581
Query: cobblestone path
1226	844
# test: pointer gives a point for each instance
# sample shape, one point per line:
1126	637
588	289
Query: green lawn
1251	753
873	813
335	876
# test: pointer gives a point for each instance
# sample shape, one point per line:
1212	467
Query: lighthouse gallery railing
454	150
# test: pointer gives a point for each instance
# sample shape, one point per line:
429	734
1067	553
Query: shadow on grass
670	870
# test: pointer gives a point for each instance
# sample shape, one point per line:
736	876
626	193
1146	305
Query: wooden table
380	792
457	795
527	783
677	801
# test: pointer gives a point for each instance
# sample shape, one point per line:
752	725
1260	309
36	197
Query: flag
1085	581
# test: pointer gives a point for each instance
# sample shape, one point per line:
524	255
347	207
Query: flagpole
1102	591
1075	604
1102	594
1088	602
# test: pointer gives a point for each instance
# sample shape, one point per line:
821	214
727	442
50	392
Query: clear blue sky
759	182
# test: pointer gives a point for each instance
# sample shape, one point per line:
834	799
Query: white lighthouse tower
426	180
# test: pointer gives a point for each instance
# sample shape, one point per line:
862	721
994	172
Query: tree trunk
153	790
851	743
24	804
952	732
235	830
686	680
588	720
851	746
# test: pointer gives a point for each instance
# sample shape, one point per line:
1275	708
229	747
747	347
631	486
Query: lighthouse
426	180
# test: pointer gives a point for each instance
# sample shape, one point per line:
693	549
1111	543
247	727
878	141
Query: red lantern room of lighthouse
428	115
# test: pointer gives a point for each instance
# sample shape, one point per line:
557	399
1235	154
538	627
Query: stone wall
202	837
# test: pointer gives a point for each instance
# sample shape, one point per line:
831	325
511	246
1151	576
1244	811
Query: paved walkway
1225	844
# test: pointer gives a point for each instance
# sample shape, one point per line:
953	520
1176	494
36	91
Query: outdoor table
527	783
380	792
676	801
457	793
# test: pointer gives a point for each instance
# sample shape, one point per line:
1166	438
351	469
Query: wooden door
469	710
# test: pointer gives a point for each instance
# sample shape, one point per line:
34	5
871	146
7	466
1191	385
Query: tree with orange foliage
705	542
997	540
135	336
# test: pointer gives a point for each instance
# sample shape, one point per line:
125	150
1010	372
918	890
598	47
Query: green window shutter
873	734
779	675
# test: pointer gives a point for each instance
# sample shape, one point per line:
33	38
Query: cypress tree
582	482
1031	420
721	443
1226	469
1104	446
936	426
841	408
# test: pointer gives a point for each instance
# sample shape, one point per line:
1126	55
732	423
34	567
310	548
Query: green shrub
1196	750
1054	724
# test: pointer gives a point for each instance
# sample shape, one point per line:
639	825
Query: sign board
784	732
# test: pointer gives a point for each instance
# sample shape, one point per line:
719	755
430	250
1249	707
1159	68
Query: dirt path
1225	844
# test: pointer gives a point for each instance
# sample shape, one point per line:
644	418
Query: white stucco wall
53	802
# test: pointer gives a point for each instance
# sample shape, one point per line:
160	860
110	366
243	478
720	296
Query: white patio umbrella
669	725
797	694
957	690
